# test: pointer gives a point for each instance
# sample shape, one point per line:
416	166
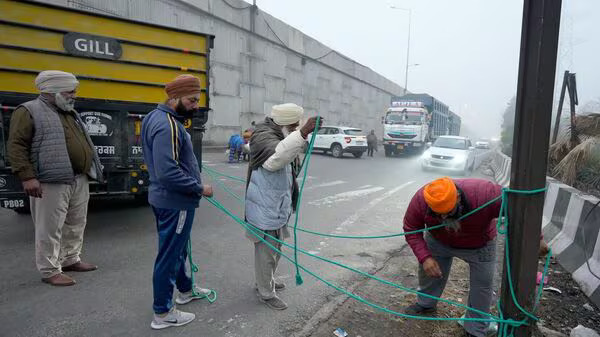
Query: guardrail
571	226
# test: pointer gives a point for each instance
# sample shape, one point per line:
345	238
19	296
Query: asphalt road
366	196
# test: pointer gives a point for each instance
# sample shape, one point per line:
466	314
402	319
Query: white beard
63	103
286	131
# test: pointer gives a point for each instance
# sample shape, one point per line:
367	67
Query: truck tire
22	210
141	199
388	151
337	151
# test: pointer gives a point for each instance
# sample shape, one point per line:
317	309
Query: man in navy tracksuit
174	193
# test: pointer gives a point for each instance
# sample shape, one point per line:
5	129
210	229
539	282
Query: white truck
406	127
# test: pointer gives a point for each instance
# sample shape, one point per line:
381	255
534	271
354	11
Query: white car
482	144
339	140
451	153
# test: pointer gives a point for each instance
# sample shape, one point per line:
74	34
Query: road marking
345	196
354	217
366	186
331	183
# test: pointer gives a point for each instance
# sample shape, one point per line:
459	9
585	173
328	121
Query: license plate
359	143
400	146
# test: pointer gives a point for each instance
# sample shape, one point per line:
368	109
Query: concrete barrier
571	226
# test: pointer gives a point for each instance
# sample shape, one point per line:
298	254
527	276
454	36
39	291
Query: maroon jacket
476	230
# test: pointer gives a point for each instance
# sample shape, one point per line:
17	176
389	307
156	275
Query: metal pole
535	89
560	106
407	52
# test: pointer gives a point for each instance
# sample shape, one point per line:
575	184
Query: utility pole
535	89
407	46
560	106
407	53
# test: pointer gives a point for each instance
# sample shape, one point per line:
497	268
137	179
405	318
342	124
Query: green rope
193	270
238	179
304	167
359	237
502	225
260	235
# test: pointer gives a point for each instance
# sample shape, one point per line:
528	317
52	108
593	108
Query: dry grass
574	161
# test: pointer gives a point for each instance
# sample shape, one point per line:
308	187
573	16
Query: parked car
340	139
482	145
451	153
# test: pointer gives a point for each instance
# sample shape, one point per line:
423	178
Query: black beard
182	111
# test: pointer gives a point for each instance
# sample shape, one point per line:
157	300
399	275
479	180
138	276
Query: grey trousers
266	261
59	217
265	265
482	267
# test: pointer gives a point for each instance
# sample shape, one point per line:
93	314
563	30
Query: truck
413	120
122	66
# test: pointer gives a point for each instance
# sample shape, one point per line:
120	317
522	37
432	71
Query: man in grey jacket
51	152
272	191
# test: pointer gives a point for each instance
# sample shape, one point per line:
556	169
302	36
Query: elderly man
51	152
174	193
272	191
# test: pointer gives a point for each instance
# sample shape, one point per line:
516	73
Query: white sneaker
172	318
185	298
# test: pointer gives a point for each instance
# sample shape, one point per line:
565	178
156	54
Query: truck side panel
122	66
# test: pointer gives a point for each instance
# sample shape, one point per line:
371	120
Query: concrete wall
256	65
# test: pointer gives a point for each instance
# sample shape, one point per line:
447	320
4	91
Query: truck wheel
388	152
357	154
22	210
336	151
141	199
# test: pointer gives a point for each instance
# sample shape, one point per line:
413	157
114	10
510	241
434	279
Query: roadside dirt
560	312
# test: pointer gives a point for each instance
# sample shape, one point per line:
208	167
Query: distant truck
122	66
414	120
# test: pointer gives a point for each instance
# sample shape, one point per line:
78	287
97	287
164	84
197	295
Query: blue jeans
174	227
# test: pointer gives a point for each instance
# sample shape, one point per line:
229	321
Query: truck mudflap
12	195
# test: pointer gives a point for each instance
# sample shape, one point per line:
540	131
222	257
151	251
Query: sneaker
492	329
417	309
172	318
185	298
274	303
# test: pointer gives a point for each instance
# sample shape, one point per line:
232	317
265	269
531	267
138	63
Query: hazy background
467	50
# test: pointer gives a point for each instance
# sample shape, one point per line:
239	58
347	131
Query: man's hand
207	191
33	188
543	248
309	126
432	268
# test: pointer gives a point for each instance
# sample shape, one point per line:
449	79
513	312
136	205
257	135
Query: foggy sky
468	50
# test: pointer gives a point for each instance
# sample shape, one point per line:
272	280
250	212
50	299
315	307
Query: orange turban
441	195
183	85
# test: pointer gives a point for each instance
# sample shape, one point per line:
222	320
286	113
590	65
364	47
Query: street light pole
407	46
407	53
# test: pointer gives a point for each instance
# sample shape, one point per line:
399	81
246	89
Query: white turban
55	81
286	114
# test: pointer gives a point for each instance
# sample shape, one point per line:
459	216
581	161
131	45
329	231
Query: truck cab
406	128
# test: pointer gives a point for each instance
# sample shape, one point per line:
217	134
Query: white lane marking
354	217
345	196
366	186
331	183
